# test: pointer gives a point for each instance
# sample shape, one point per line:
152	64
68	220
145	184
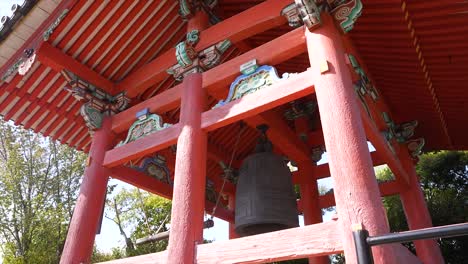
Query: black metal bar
427	233
363	250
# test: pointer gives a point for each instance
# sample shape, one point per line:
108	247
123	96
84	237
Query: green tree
444	181
139	214
38	187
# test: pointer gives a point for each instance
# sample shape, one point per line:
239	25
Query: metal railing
363	242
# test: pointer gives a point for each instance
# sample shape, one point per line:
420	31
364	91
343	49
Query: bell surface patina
265	199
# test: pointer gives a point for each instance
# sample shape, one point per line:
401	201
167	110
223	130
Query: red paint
417	214
236	28
293	243
253	104
88	209
232	226
189	180
58	61
345	140
310	204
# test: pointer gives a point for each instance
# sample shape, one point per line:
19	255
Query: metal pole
363	250
427	233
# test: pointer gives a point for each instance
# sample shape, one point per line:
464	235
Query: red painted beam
146	145
386	189
216	80
282	136
141	180
37	36
152	185
313	240
323	171
265	99
255	20
57	60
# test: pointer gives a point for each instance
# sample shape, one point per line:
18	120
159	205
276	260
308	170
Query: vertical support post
86	216
232	206
417	214
190	169
310	203
356	190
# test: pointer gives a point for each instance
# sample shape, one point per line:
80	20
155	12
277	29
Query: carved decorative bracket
403	133
317	152
98	103
145	124
189	61
307	12
187	9
22	65
46	35
300	109
253	79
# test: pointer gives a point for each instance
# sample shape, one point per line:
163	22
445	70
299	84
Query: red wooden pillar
232	206
310	203
355	186
189	181
417	214
86	216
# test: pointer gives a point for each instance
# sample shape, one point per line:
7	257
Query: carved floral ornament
27	59
145	124
253	78
98	103
191	61
307	12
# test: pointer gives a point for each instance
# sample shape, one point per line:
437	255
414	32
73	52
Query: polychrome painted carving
155	167
307	12
415	146
187	8
402	134
97	102
54	25
346	13
189	61
260	78
300	109
365	85
145	124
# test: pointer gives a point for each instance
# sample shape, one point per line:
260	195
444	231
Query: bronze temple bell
265	199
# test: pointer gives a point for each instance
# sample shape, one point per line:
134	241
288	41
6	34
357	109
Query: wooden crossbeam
313	240
143	146
248	106
152	185
380	144
323	171
281	135
217	80
263	100
386	189
57	60
255	20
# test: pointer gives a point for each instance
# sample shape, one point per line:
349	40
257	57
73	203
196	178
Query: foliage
139	214
444	180
38	187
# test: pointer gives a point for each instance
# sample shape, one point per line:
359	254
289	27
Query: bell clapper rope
241	128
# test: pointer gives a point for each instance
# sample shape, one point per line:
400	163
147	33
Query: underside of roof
415	51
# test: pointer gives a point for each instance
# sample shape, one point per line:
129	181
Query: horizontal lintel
265	99
217	80
143	146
